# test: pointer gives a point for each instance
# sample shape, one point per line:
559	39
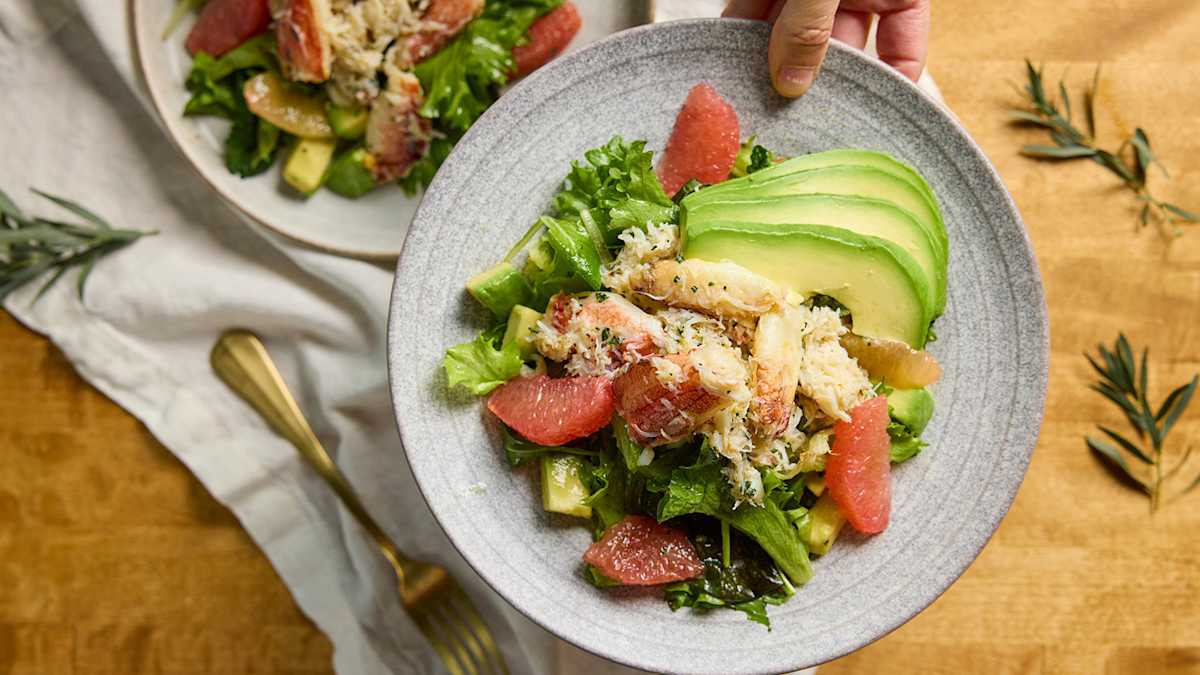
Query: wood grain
114	560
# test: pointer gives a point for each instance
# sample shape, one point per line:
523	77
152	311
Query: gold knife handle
242	362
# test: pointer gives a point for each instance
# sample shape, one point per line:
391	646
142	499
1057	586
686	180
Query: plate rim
167	123
1040	319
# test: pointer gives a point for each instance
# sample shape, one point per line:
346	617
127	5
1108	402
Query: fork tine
451	631
456	617
480	630
459	631
434	636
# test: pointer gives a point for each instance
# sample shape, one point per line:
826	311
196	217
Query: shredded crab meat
687	330
722	289
828	375
640	248
597	334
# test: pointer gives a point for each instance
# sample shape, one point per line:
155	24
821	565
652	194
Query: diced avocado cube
541	257
348	122
351	173
500	288
306	166
911	407
563	490
815	482
522	326
824	524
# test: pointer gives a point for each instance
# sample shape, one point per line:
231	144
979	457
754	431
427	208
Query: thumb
798	44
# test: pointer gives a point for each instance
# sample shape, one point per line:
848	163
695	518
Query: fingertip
794	81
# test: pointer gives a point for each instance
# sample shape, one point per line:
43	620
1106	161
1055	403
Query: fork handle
242	362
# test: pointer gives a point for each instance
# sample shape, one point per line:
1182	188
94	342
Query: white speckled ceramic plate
993	343
373	226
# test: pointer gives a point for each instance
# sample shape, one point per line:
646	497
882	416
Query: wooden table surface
114	560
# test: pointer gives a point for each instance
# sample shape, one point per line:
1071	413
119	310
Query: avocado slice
862	215
911	407
305	168
563	490
500	288
851	157
522	324
863	181
879	283
824	524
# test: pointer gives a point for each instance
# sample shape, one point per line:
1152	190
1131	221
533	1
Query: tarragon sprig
1126	384
31	246
1070	142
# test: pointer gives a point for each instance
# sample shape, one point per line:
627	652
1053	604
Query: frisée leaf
482	364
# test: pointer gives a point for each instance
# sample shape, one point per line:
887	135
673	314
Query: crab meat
777	358
443	19
722	289
599	333
397	135
302	33
662	403
828	375
893	362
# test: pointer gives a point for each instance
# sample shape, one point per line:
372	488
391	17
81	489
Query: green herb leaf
517	450
1126	383
1116	463
1072	143
1053	152
30	247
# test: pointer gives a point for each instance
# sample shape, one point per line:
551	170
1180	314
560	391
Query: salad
715	361
359	93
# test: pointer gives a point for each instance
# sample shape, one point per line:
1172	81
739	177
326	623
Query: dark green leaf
1189	216
1145	156
1128	446
1066	98
9	208
1116	464
1179	405
1052	152
1144	215
1115	164
84	272
1026	117
75	208
517	450
1089	103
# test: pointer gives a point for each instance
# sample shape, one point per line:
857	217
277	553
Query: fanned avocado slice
860	215
879	283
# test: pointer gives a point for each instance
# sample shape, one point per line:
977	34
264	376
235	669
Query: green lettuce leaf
462	79
482	364
905	444
701	488
617	185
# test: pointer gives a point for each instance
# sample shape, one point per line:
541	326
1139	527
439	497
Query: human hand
803	28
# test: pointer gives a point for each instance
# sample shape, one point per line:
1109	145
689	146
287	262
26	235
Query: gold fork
432	597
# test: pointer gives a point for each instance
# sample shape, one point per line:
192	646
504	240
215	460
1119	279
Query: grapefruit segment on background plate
225	24
548	36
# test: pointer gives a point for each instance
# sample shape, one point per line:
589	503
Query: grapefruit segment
704	142
225	24
553	411
548	36
640	551
858	470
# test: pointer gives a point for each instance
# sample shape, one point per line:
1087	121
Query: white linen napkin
72	124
